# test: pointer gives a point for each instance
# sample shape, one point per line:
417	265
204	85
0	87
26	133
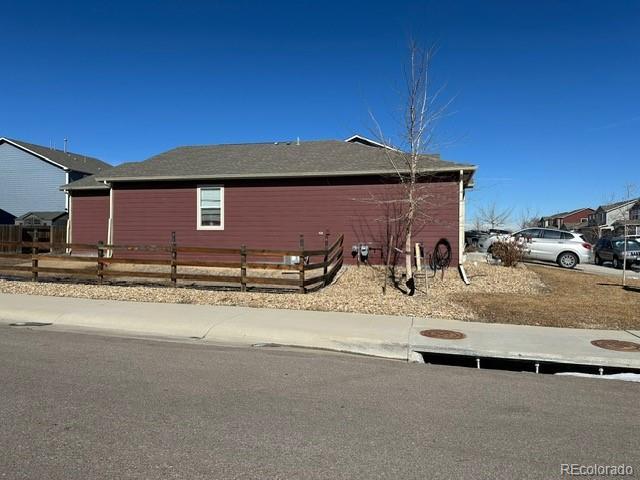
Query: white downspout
461	218
110	221
69	222
66	192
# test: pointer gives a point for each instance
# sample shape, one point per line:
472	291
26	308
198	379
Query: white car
567	249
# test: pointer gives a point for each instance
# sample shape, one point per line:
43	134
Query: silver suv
567	249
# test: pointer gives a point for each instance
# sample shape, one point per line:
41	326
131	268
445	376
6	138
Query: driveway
605	269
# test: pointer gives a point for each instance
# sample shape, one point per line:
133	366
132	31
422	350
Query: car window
532	233
631	244
552	234
569	236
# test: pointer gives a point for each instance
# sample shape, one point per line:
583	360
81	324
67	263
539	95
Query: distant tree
528	219
630	190
493	217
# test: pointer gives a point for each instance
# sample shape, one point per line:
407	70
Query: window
210	207
529	233
552	234
568	236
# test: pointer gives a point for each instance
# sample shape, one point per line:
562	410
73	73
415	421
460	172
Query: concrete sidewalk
378	335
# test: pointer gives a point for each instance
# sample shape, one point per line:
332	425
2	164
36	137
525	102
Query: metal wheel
598	260
568	260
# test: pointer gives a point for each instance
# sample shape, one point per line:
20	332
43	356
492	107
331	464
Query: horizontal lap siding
272	215
89	217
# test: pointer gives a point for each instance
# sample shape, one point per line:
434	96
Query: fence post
34	257
174	259
243	268
51	239
100	264
301	265
326	259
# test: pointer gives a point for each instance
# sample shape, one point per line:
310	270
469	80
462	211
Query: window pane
210	197
210	216
552	234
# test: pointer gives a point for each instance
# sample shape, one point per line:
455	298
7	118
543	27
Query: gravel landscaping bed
356	289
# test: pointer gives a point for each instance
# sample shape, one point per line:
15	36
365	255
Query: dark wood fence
308	270
41	234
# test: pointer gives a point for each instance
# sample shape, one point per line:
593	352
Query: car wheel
616	263
598	260
568	260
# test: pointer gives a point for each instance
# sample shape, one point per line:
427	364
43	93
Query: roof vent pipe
298	141
65	145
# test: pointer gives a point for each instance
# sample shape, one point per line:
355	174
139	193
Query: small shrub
509	252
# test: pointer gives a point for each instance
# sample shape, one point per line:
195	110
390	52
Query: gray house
606	216
31	176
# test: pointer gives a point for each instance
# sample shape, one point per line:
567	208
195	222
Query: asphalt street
80	406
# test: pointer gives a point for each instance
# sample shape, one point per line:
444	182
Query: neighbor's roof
86	183
566	214
272	160
43	215
613	206
67	160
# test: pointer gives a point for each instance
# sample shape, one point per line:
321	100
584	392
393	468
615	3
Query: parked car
567	249
612	250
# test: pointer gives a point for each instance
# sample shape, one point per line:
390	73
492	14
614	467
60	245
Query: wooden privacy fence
50	235
308	270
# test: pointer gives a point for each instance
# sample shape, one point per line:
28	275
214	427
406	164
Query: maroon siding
272	214
89	216
576	217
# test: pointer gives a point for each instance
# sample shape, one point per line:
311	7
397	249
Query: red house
265	195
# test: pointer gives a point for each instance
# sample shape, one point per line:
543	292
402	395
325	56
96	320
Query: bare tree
493	217
528	219
630	190
423	110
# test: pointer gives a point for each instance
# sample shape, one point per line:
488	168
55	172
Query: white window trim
199	225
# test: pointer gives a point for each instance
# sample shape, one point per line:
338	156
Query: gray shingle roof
270	160
43	215
85	183
70	160
613	206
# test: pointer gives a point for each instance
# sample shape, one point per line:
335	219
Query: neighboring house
632	222
32	174
606	216
568	220
265	196
6	218
42	219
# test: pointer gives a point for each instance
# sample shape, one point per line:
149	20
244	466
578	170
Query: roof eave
359	173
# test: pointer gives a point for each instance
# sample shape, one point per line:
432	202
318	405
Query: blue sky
547	97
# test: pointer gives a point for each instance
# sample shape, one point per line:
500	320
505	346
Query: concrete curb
391	337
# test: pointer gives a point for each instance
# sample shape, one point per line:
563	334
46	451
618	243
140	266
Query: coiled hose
440	259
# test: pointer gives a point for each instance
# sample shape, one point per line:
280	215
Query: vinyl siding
28	183
272	214
89	216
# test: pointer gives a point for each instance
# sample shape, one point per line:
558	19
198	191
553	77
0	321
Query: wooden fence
42	234
98	260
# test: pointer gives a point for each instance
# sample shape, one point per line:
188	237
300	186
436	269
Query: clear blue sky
547	92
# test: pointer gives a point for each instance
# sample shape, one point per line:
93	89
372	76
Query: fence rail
98	265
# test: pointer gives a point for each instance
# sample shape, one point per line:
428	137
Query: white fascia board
42	157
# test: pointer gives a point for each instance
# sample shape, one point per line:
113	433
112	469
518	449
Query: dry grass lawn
571	299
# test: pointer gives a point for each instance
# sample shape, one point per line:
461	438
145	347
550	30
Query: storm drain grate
30	324
443	334
617	345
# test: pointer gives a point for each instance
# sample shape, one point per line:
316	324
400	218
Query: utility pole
624	257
